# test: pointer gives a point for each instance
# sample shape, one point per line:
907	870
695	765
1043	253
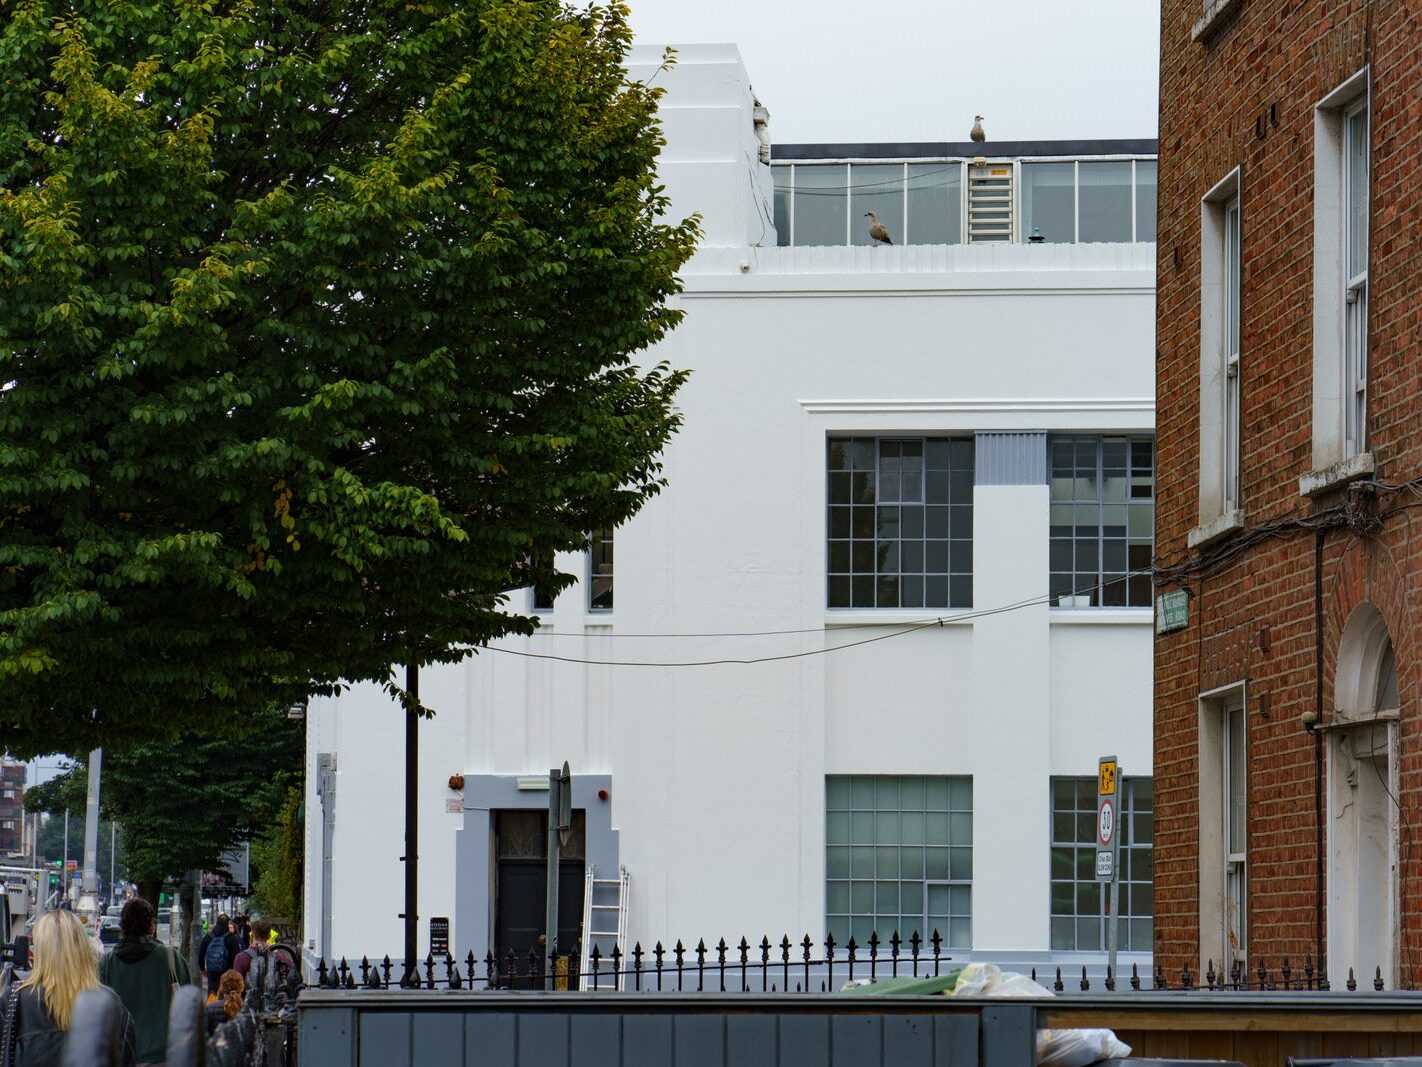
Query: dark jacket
229	942
142	972
40	1041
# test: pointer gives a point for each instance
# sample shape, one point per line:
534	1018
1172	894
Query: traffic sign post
1108	842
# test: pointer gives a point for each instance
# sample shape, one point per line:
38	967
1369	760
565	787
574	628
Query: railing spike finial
429	970
1285	971
321	973
385	967
1057	986
451	973
1308	971
637	955
1378	979
1160	979
1110	980
1352	982
1187	980
1210	974
1034	974
1262	974
1135	978
365	970
1085	982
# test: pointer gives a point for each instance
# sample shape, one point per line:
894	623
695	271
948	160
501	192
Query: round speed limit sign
1106	823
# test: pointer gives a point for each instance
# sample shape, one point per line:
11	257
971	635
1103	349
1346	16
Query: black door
520	892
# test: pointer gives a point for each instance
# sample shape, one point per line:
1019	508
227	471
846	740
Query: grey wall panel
955	1041
699	1041
327	1036
1011	457
855	1039
1009	1035
438	1037
542	1040
385	1039
490	1038
804	1039
751	1040
646	1040
596	1041
908	1040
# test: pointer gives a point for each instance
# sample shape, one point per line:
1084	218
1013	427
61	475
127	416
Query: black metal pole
411	977
1318	939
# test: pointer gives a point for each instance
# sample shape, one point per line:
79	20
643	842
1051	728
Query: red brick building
1289	438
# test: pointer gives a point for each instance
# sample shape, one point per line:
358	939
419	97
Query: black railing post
701	965
721	948
657	953
829	963
679	952
808	947
915	943
894	943
764	963
745	958
937	942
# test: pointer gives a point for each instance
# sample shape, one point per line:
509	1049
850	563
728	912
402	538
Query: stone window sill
1215	530
1217	13
1326	479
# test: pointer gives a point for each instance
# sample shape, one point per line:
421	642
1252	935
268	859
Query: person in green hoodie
144	974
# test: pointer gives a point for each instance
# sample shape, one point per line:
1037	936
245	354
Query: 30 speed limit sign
1107	818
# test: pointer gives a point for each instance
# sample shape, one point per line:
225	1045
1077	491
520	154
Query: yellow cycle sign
1106	778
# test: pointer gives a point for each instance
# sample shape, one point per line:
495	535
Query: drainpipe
1318	746
411	977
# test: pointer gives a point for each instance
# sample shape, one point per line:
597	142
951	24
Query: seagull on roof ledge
977	133
877	233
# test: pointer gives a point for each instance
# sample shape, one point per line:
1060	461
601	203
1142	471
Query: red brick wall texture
1245	98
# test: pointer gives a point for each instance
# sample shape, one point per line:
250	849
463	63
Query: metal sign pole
1108	839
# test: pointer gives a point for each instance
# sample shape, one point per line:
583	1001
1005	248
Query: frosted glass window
1104	202
821	204
899	857
1145	199
878	188
1080	904
935	204
1049	201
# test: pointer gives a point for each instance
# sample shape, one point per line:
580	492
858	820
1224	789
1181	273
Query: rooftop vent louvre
990	202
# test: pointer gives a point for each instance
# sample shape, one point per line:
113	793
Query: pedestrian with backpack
145	975
218	951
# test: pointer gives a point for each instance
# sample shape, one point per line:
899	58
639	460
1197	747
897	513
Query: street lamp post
411	977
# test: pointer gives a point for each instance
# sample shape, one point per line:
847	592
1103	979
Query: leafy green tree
278	857
180	804
319	329
51	843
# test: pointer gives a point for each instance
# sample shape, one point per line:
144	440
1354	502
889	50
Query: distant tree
278	858
318	333
180	804
51	843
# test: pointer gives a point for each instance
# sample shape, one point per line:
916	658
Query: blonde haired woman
38	1009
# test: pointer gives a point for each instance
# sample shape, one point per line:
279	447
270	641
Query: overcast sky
918	70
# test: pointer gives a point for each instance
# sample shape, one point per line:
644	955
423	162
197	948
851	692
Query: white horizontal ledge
983	406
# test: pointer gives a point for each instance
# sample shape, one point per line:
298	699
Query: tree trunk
149	889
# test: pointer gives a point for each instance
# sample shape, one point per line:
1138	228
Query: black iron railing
786	966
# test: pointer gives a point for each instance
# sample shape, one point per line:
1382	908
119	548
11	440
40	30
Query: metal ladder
604	905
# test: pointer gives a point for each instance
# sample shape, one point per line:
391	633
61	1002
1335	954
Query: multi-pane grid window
899	856
1355	295
600	571
900	522
923	202
1080	904
1088	201
824	203
1102	520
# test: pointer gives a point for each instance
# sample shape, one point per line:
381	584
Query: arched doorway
1362	808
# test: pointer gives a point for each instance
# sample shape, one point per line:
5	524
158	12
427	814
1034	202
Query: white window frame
1339	301
1223	862
608	536
1221	273
1355	294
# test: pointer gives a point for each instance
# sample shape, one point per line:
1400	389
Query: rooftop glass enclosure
1099	198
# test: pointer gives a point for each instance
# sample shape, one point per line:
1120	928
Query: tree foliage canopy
318	321
180	804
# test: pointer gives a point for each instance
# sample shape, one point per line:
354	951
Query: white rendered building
954	430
